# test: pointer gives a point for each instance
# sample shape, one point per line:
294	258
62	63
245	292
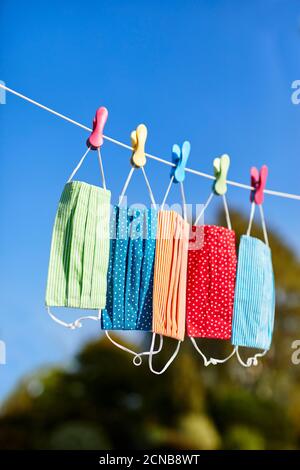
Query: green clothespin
221	167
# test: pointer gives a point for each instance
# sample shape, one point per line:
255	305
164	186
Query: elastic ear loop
263	222
252	361
149	187
81	162
126	185
228	221
128	181
252	212
210	197
167	192
101	167
75	324
137	360
152	352
212	360
183	202
78	165
182	196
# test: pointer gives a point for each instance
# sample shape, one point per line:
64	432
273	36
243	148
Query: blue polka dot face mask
254	304
130	271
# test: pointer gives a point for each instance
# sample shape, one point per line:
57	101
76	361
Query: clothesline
153	157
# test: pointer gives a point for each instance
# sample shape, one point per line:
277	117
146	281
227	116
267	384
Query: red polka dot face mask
211	278
210	283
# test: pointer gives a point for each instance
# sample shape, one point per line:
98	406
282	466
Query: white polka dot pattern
130	270
210	283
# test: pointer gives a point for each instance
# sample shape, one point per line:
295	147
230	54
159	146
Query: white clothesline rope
153	157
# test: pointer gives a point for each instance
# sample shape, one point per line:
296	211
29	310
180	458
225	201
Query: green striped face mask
79	249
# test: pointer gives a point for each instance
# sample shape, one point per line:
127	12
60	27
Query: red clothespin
95	140
258	182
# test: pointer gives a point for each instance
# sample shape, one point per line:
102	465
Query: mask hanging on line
169	290
131	267
79	248
211	278
211	282
254	305
130	272
170	275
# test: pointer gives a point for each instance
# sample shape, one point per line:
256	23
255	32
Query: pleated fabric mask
79	249
254	304
211	282
170	271
169	292
130	272
131	269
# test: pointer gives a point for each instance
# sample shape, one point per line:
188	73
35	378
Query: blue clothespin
179	158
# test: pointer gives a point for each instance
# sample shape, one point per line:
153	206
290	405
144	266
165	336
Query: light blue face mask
254	304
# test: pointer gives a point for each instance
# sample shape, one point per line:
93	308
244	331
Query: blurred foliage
105	402
244	438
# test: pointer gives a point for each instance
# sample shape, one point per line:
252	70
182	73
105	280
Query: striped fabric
254	304
80	248
170	271
130	272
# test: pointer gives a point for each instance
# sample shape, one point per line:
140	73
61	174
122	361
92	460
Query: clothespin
95	140
179	158
138	140
258	182
221	167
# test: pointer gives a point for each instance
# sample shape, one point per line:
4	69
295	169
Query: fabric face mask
79	249
210	283
130	272
170	275
170	270
254	305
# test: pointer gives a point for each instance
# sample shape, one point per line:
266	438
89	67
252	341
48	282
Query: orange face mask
169	285
170	272
170	265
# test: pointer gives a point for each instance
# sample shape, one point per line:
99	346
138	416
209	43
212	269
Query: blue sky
217	73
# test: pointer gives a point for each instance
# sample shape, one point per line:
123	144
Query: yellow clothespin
138	140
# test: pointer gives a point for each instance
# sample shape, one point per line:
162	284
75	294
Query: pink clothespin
95	140
258	182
